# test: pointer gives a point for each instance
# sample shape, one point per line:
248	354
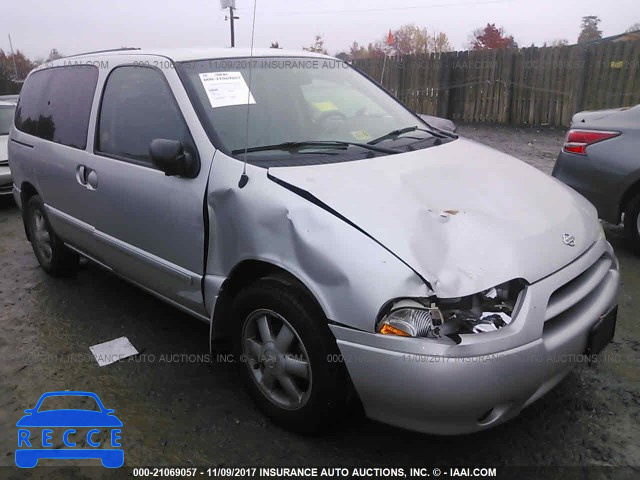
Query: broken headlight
432	317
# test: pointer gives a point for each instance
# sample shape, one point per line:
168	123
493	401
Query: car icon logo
69	427
569	239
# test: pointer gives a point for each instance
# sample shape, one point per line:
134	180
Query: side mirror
29	410
439	122
170	157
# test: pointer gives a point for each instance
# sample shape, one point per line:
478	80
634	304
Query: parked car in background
601	160
350	250
10	98
7	110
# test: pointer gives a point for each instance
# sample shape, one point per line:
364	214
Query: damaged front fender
350	275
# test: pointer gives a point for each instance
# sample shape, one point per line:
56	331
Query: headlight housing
432	317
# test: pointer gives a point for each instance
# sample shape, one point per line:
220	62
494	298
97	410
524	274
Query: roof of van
198	53
4	103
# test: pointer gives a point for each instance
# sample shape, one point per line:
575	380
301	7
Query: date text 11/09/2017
308	472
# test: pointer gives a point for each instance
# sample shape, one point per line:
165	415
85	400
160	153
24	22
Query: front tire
288	356
54	257
632	222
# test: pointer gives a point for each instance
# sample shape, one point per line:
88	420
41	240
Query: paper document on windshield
225	89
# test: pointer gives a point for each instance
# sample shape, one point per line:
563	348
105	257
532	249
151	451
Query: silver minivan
356	254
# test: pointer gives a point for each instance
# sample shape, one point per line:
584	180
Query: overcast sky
74	26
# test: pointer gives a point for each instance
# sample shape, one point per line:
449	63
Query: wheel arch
242	275
630	193
27	190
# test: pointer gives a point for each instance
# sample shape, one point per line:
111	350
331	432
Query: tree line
14	68
411	39
406	40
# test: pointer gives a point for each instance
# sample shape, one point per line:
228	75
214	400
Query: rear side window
55	104
137	107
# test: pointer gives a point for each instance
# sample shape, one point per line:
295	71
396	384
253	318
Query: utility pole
233	31
13	55
231	17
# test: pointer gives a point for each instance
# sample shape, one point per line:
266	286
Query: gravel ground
537	147
195	413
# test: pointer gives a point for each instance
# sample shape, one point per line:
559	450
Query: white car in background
10	98
7	110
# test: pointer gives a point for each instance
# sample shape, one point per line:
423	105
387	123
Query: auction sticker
225	89
361	135
325	106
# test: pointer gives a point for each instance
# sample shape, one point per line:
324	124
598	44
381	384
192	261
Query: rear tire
288	357
54	257
632	222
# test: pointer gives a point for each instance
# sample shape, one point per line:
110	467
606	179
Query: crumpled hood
464	216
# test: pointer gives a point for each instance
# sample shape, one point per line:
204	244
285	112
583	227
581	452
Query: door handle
87	177
92	180
81	175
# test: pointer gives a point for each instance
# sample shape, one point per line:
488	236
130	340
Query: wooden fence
529	86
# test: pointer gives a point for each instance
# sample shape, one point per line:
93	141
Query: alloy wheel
277	359
42	238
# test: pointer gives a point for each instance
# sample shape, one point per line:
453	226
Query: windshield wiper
396	133
329	144
439	132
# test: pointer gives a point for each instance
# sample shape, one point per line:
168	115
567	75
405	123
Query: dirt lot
179	412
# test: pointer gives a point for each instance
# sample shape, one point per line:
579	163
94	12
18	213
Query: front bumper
431	387
6	182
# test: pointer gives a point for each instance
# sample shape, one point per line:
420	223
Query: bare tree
54	54
410	39
375	49
318	46
357	51
440	43
633	28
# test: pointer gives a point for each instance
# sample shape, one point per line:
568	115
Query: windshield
295	99
6	118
